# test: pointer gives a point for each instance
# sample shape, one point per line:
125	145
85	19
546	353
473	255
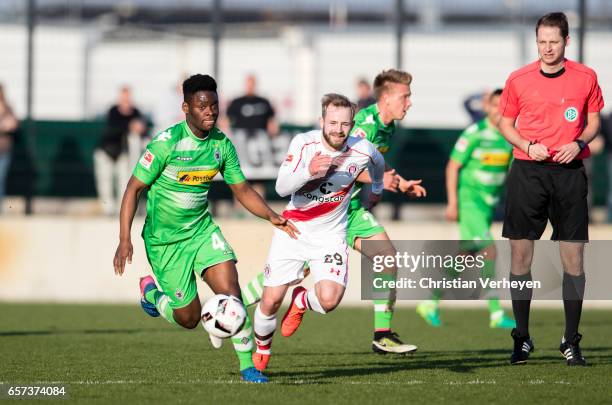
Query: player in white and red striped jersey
319	173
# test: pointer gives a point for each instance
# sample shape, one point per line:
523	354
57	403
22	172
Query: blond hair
390	76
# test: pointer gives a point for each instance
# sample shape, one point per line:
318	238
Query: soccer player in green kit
475	175
181	240
376	123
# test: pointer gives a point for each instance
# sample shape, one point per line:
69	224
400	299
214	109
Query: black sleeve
606	130
271	111
232	110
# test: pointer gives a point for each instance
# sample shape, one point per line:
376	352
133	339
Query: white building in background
294	67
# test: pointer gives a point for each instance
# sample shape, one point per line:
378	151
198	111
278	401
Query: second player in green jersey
475	176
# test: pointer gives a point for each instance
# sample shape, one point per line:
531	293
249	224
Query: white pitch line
294	382
215	382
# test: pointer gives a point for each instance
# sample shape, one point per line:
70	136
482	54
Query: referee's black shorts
539	191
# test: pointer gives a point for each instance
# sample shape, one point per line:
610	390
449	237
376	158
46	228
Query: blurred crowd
249	119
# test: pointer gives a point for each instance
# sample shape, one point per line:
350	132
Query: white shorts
326	257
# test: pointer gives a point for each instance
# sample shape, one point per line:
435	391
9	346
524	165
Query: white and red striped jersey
319	205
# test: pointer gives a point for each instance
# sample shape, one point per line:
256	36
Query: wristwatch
581	144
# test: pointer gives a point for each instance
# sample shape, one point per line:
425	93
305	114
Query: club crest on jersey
571	114
217	155
147	159
179	294
352	168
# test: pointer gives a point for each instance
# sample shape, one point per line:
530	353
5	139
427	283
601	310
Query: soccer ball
223	315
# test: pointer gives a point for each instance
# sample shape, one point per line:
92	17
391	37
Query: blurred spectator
118	151
364	94
8	127
252	123
606	132
476	105
251	112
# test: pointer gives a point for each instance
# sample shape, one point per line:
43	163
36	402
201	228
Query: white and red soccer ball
223	316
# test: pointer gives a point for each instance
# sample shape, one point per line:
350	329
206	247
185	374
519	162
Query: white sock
313	302
264	326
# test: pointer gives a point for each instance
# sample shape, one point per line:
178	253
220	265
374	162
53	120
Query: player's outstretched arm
129	203
412	188
390	179
452	179
256	205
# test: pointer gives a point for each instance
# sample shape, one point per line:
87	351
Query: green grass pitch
112	354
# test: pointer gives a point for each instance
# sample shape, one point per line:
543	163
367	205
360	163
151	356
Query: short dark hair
197	83
495	93
390	76
557	19
337	100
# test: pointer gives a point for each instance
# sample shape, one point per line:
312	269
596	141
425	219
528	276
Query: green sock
243	345
160	300
488	271
251	294
494	305
383	307
383	314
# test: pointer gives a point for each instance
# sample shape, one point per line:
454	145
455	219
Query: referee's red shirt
551	110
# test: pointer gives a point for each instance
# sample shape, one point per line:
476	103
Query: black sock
380	335
521	302
573	294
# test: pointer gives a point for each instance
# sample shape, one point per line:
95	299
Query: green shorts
177	265
361	224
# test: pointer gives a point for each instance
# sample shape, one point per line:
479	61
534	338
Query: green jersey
485	156
179	168
369	126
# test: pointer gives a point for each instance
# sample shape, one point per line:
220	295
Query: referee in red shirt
550	112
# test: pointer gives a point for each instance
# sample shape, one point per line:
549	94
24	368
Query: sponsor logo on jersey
147	159
196	177
461	145
352	168
164	136
322	199
323	189
360	133
495	158
571	114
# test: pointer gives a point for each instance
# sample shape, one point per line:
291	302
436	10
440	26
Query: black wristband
581	144
528	146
